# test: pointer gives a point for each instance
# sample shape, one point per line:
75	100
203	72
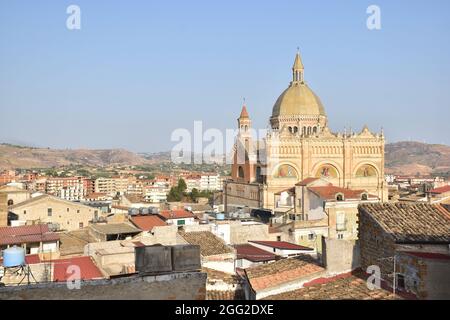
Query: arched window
10	202
364	197
290	129
246	128
339	197
295	129
241	172
314	130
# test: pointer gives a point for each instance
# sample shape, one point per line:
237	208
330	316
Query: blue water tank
13	257
220	216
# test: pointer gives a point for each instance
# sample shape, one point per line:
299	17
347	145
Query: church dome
298	99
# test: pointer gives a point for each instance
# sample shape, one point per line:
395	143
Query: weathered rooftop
115	228
341	287
411	223
282	271
210	245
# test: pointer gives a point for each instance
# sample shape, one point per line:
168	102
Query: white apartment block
73	193
210	182
156	193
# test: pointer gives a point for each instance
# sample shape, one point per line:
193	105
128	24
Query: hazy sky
137	70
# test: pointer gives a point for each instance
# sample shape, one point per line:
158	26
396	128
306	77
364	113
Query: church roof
244	113
298	98
298	64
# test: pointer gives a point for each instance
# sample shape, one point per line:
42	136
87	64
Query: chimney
3	210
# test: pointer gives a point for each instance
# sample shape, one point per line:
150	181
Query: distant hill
13	156
412	158
409	158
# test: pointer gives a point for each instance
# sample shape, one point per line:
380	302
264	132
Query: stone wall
340	256
242	233
376	246
175	286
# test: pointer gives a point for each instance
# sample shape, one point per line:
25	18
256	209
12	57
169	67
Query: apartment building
112	186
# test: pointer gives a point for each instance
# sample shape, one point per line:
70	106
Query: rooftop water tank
13	257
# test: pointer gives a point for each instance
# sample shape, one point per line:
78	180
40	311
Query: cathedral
299	145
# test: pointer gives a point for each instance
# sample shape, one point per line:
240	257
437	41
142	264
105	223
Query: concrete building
411	240
438	195
298	146
112	231
178	217
62	214
68	188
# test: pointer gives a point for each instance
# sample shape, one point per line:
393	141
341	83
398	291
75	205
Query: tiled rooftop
441	190
147	223
420	223
176	214
283	245
88	270
341	287
26	234
252	253
282	271
209	244
330	192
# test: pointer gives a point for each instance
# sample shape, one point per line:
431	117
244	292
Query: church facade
300	145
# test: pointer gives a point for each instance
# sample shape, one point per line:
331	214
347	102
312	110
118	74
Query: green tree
182	185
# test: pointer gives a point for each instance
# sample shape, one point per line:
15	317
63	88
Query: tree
182	185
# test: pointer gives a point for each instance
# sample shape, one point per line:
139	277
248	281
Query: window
78	211
24	211
274	250
311	236
181	222
340	197
10	202
364	197
400	281
68	209
340	236
49	212
80	225
241	172
278	238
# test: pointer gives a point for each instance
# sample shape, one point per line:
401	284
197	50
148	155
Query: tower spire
298	68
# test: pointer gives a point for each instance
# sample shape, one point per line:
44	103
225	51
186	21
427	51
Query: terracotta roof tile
147	223
252	253
282	245
87	267
176	214
282	271
26	234
441	189
330	192
341	287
